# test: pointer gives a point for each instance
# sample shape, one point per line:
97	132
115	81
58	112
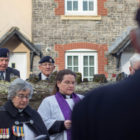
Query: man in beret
46	66
6	73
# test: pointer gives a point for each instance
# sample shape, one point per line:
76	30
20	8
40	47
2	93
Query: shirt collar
43	77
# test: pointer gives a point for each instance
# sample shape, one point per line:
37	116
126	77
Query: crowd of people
109	112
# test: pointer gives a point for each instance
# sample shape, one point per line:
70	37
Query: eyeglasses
69	82
21	96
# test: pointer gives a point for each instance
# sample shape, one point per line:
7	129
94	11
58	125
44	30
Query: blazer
10	72
111	112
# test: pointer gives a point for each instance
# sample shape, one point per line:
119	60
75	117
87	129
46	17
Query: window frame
80	53
80	12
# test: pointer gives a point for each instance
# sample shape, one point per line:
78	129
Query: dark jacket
9	117
110	112
10	73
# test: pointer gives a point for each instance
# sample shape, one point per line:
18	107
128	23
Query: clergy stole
65	108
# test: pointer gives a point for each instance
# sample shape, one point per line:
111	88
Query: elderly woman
56	109
18	121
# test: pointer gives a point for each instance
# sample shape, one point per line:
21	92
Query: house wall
16	13
50	29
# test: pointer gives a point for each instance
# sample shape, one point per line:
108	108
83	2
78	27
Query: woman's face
67	85
21	100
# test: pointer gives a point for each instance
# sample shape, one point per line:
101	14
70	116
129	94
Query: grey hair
18	85
134	59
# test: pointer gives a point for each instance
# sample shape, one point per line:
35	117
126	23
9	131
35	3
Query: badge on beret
50	60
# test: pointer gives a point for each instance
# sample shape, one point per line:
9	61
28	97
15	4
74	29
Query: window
83	61
80	7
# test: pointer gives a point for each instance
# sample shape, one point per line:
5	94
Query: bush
100	78
85	80
78	77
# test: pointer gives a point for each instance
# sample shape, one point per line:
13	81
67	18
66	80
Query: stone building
88	36
80	39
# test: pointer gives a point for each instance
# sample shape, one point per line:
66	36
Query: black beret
4	52
46	59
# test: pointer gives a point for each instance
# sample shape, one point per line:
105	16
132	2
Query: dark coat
9	115
110	112
10	72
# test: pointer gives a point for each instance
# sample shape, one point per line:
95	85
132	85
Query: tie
1	75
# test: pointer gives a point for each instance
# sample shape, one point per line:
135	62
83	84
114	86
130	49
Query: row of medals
4	133
17	131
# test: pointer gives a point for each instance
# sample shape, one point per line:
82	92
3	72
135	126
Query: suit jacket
110	112
10	72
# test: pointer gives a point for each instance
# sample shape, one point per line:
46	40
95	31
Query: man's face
46	68
4	63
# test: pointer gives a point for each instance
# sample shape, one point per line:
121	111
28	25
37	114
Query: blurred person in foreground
6	73
56	109
111	112
134	64
18	121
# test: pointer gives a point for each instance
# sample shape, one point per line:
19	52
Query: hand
67	124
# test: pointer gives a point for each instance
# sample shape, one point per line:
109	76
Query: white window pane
75	5
75	69
90	79
91	60
69	5
91	6
91	71
70	68
85	71
69	61
85	4
75	58
85	60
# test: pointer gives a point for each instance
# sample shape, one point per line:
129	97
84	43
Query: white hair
134	59
18	85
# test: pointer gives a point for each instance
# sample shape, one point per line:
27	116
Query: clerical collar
66	96
20	110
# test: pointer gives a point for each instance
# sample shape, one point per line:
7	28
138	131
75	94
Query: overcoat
11	122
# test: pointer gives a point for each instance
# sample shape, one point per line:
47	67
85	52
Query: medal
3	134
7	133
18	131
22	131
0	133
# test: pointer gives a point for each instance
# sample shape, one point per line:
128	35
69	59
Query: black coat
110	112
9	116
10	72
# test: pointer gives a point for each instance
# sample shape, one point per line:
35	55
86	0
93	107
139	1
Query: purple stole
66	110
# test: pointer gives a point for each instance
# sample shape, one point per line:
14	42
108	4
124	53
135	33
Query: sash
65	108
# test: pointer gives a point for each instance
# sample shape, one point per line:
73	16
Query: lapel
7	76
